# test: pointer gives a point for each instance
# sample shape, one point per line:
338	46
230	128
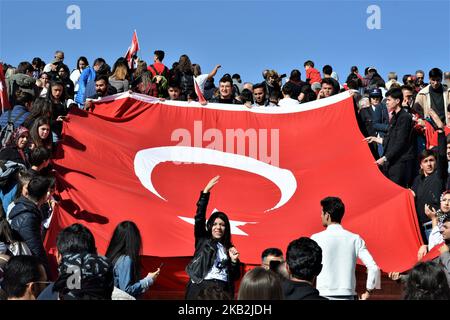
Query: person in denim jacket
124	252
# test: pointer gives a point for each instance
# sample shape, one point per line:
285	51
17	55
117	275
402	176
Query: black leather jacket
206	248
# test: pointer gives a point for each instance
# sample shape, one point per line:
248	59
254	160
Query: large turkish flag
137	158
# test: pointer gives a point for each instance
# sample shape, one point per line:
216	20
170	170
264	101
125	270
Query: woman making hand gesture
216	260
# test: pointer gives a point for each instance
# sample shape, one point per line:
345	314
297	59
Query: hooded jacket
26	219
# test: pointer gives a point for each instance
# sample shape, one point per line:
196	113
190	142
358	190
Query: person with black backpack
158	68
15	117
160	75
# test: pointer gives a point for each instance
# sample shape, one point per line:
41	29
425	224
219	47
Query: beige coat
423	101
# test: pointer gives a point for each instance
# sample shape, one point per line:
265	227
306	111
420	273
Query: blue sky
243	36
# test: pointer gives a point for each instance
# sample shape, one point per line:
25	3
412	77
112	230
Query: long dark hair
260	284
42	107
226	238
184	65
84	59
427	281
55	83
34	133
126	241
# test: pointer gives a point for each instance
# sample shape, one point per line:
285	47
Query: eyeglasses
419	77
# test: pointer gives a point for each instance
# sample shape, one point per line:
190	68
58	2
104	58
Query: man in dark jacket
304	263
397	144
26	217
367	117
431	182
225	92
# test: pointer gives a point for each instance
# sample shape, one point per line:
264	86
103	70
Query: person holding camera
273	83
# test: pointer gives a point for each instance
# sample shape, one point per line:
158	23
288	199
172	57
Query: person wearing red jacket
311	73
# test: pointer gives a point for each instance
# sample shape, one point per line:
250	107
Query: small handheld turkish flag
198	92
4	102
132	50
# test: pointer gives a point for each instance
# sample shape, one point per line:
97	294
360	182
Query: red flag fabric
431	135
4	102
137	158
132	49
433	253
198	92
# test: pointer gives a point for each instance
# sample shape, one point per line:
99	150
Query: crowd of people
406	125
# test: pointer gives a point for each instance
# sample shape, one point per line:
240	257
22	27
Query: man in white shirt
287	101
341	249
59	57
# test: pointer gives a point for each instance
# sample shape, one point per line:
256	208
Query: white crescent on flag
146	160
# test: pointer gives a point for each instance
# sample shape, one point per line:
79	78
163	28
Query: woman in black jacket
216	260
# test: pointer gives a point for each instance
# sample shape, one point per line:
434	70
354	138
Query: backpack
164	73
7	131
8	169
